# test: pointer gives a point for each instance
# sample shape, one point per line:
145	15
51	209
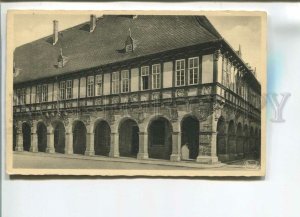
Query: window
45	93
180	72
62	88
38	93
69	89
21	96
115	82
193	70
124	81
90	86
156	76
145	78
99	85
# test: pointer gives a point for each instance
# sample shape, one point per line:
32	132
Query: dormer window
62	60
129	43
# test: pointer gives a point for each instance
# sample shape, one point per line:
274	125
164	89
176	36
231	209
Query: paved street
61	161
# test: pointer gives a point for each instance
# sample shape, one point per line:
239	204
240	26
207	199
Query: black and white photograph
136	93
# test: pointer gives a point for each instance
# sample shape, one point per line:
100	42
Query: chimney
55	31
92	23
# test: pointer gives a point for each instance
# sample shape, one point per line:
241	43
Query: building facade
137	86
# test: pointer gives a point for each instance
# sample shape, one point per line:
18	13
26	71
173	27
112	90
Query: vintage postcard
136	93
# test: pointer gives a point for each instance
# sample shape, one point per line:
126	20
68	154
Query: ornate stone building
136	86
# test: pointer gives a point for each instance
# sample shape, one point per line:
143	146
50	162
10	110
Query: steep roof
105	45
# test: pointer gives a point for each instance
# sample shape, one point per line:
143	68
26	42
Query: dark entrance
221	137
231	143
42	137
79	138
239	140
26	130
190	135
129	138
102	138
160	139
246	141
14	137
59	138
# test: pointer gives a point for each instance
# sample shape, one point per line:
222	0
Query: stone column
208	139
176	145
19	138
69	143
34	139
50	143
90	150
143	146
114	147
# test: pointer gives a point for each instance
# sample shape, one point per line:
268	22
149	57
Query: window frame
182	82
69	88
145	75
99	85
124	81
115	82
44	93
191	71
90	92
62	90
156	77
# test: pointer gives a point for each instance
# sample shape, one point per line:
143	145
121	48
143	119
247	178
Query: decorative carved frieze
180	93
134	98
115	100
156	95
98	101
206	90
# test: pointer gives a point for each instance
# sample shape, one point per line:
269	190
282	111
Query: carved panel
155	95
115	100
180	93
206	90
145	97
98	101
204	150
134	98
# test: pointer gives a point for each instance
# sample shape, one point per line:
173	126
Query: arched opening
14	137
257	146
102	138
239	141
42	137
252	141
59	137
79	138
26	130
231	140
221	139
190	135
129	138
246	141
160	139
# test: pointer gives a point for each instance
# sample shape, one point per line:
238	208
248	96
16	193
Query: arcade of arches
158	138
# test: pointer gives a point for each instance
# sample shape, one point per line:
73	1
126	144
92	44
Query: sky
237	30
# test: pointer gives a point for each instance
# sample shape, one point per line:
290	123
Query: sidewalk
61	160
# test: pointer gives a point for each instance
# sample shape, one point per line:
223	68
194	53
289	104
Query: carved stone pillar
208	140
114	147
19	142
176	145
143	146
34	138
50	143
90	150
69	143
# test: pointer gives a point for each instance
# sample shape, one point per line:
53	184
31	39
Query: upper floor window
115	83
90	86
38	97
99	85
145	80
62	90
180	72
69	88
193	70
45	93
21	94
124	81
156	73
